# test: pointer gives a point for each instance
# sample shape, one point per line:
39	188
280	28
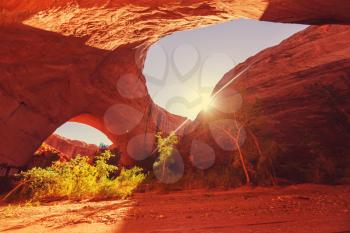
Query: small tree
165	147
252	118
247	119
236	138
102	147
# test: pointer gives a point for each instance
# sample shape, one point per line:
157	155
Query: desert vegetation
78	178
165	167
165	148
251	162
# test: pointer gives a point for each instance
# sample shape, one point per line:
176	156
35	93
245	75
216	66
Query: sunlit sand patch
102	216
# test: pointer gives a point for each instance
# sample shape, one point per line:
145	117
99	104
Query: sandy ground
302	208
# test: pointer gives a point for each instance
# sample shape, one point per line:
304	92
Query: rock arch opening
84	133
74	138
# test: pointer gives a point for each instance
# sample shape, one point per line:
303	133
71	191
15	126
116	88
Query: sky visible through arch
182	69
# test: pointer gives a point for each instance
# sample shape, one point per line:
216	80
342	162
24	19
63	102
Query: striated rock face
295	99
60	148
74	60
44	157
70	148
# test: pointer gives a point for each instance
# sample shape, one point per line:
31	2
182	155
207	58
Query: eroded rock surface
294	99
63	60
71	148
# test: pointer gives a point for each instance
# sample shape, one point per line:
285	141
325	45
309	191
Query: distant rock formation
70	148
44	157
60	148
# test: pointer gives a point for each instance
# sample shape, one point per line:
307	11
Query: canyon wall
82	61
294	101
70	148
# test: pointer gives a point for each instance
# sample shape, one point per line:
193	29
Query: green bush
165	166
78	178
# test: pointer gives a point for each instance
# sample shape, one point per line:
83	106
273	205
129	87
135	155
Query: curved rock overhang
62	59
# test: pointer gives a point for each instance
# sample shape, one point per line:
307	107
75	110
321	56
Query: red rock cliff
73	60
295	99
71	148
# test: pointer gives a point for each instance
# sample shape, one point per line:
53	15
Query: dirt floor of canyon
300	208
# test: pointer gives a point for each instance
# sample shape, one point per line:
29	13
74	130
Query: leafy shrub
165	146
165	167
128	181
78	178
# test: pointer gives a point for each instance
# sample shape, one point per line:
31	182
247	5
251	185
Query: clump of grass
78	179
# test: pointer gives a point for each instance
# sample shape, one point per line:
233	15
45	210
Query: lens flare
206	102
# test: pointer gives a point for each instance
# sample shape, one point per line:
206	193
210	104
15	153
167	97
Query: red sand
301	208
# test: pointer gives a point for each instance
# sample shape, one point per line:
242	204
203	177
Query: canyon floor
299	208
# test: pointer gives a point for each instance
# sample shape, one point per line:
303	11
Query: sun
206	102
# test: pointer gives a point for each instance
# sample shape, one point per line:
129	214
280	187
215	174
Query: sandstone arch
60	59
